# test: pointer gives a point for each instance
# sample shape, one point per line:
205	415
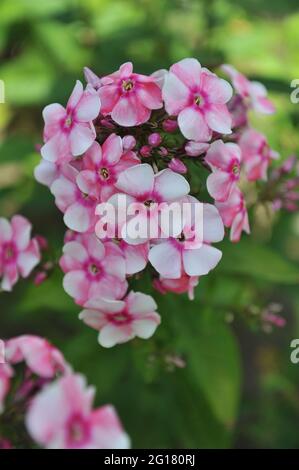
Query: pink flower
40	356
256	154
19	254
129	97
61	417
77	206
93	268
254	93
198	97
189	253
70	132
234	214
119	321
184	284
142	185
224	160
6	372
102	166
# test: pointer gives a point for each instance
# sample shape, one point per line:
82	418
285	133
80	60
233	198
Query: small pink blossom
254	93
40	356
78	207
61	417
102	165
198	97
69	131
234	214
93	268
224	161
179	286
129	97
119	321
92	79
256	154
19	254
189	253
6	372
170	125
142	185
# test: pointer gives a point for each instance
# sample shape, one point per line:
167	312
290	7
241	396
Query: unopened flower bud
176	165
145	151
170	125
129	142
154	139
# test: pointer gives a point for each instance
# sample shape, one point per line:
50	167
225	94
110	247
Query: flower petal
193	125
200	261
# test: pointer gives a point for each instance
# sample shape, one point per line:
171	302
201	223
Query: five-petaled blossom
61	417
119	321
145	192
129	97
191	252
224	160
69	131
198	97
256	154
234	214
92	268
19	253
103	165
253	93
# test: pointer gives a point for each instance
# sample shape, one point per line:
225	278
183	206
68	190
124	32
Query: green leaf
211	353
258	261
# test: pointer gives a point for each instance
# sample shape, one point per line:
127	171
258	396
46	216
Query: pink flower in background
142	185
61	417
40	356
179	286
6	372
93	268
198	97
254	93
189	253
69	131
119	321
102	166
224	161
234	214
19	254
129	97
77	206
256	154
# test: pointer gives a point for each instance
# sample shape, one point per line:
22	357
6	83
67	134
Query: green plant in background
211	376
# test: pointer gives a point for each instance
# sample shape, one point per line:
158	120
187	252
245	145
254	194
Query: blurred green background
238	387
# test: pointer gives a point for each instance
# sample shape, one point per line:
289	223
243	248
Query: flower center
127	85
104	173
235	169
198	100
120	317
148	202
8	253
94	269
68	121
